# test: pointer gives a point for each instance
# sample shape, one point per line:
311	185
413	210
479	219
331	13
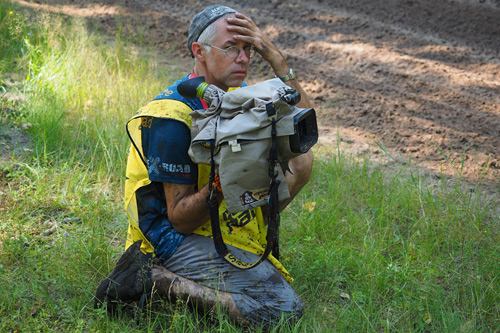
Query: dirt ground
421	77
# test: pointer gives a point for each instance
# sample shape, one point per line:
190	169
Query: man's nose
242	57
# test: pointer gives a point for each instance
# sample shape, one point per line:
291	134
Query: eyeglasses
234	52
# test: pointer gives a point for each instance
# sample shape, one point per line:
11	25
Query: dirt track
420	76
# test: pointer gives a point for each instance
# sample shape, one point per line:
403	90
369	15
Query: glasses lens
232	52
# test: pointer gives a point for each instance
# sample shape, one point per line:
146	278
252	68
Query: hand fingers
246	29
242	21
240	30
249	33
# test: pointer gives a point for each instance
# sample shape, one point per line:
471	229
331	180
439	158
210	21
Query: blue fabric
153	220
165	145
172	93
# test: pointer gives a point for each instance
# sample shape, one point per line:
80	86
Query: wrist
289	76
282	71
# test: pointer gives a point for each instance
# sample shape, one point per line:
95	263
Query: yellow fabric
137	173
245	230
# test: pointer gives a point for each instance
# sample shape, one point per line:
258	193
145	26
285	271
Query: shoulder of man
171	93
168	104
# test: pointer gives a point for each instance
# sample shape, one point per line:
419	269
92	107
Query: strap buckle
272	114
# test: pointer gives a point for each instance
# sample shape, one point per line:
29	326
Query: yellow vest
245	230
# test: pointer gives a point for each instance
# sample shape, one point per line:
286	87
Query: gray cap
203	19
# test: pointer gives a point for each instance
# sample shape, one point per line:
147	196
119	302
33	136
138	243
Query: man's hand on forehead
247	31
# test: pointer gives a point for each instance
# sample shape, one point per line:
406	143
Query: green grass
384	252
371	248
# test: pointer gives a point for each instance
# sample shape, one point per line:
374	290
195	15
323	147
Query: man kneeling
165	192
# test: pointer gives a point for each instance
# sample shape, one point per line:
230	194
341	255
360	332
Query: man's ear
197	49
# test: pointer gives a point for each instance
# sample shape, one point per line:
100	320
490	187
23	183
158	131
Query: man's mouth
240	73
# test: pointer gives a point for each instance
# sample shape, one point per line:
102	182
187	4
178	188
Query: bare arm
251	34
187	209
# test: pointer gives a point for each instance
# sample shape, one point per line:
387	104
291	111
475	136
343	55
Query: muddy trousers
261	294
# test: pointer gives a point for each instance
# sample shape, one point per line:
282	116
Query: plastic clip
235	146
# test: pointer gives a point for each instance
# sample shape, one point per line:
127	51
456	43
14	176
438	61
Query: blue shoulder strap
172	93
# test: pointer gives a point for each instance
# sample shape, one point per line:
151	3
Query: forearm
187	210
250	33
301	167
304	100
281	68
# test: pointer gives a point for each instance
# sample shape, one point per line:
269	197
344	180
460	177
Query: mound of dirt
420	77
